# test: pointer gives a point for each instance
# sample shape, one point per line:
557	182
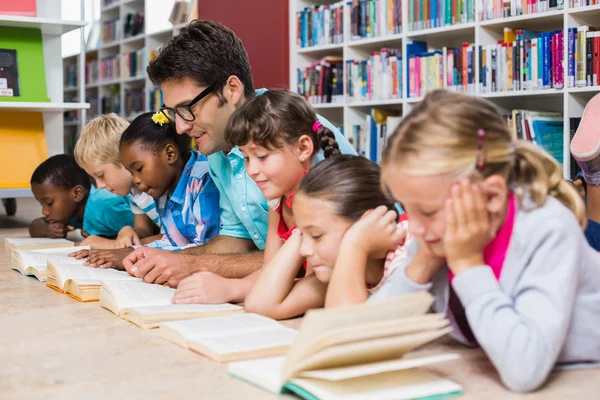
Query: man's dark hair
207	52
61	170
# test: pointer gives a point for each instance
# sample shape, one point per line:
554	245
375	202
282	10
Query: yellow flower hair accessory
160	118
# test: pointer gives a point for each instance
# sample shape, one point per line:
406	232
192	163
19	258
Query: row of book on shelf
523	60
334	353
545	129
112	29
494	9
132	63
326	24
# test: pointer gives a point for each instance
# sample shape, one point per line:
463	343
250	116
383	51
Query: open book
35	243
147	305
34	262
80	282
237	337
356	352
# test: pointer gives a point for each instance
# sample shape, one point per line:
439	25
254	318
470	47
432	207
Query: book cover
9	73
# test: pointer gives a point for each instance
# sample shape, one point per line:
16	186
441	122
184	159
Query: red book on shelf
25	8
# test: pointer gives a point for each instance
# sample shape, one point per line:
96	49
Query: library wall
263	27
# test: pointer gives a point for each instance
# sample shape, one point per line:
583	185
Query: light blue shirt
244	209
189	216
106	213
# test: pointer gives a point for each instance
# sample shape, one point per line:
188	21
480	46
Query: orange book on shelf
23	147
25	8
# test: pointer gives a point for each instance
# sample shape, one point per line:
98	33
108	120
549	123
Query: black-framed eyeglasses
185	112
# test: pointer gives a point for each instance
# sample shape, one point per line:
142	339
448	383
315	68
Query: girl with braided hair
280	137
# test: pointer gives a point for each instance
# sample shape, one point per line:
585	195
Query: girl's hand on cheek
468	228
376	232
425	264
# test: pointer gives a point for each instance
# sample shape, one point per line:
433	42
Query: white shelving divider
49	22
569	101
157	31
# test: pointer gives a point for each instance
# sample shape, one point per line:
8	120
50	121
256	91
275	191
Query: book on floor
35	262
236	337
357	352
147	305
80	282
35	243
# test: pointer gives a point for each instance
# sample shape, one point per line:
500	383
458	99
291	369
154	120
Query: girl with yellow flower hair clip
164	167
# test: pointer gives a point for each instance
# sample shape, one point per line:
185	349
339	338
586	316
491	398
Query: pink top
495	252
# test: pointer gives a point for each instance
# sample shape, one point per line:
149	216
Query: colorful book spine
374	18
378	78
493	9
320	25
322	82
428	14
452	69
583	58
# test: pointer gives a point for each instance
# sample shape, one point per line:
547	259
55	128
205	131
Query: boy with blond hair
97	152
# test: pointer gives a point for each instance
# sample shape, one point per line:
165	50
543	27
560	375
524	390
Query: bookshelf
123	85
33	121
480	31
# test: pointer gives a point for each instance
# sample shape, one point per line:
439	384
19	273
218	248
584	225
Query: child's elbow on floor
519	381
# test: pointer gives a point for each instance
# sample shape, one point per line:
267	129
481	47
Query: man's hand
159	266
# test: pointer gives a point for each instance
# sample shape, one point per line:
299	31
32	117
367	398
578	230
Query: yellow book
230	338
147	305
509	35
356	352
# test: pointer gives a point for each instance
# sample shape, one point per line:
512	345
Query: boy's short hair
99	140
207	52
62	171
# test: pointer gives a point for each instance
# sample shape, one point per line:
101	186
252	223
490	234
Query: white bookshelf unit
157	31
51	26
570	101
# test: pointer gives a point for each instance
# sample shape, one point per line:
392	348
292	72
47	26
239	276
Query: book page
405	384
206	328
355	371
392	327
262	372
39	258
367	351
128	294
184	309
78	272
244	341
318	322
36	242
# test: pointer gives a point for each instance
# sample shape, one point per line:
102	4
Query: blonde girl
498	239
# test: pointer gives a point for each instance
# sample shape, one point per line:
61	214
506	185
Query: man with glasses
204	75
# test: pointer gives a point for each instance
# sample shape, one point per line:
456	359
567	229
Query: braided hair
279	117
